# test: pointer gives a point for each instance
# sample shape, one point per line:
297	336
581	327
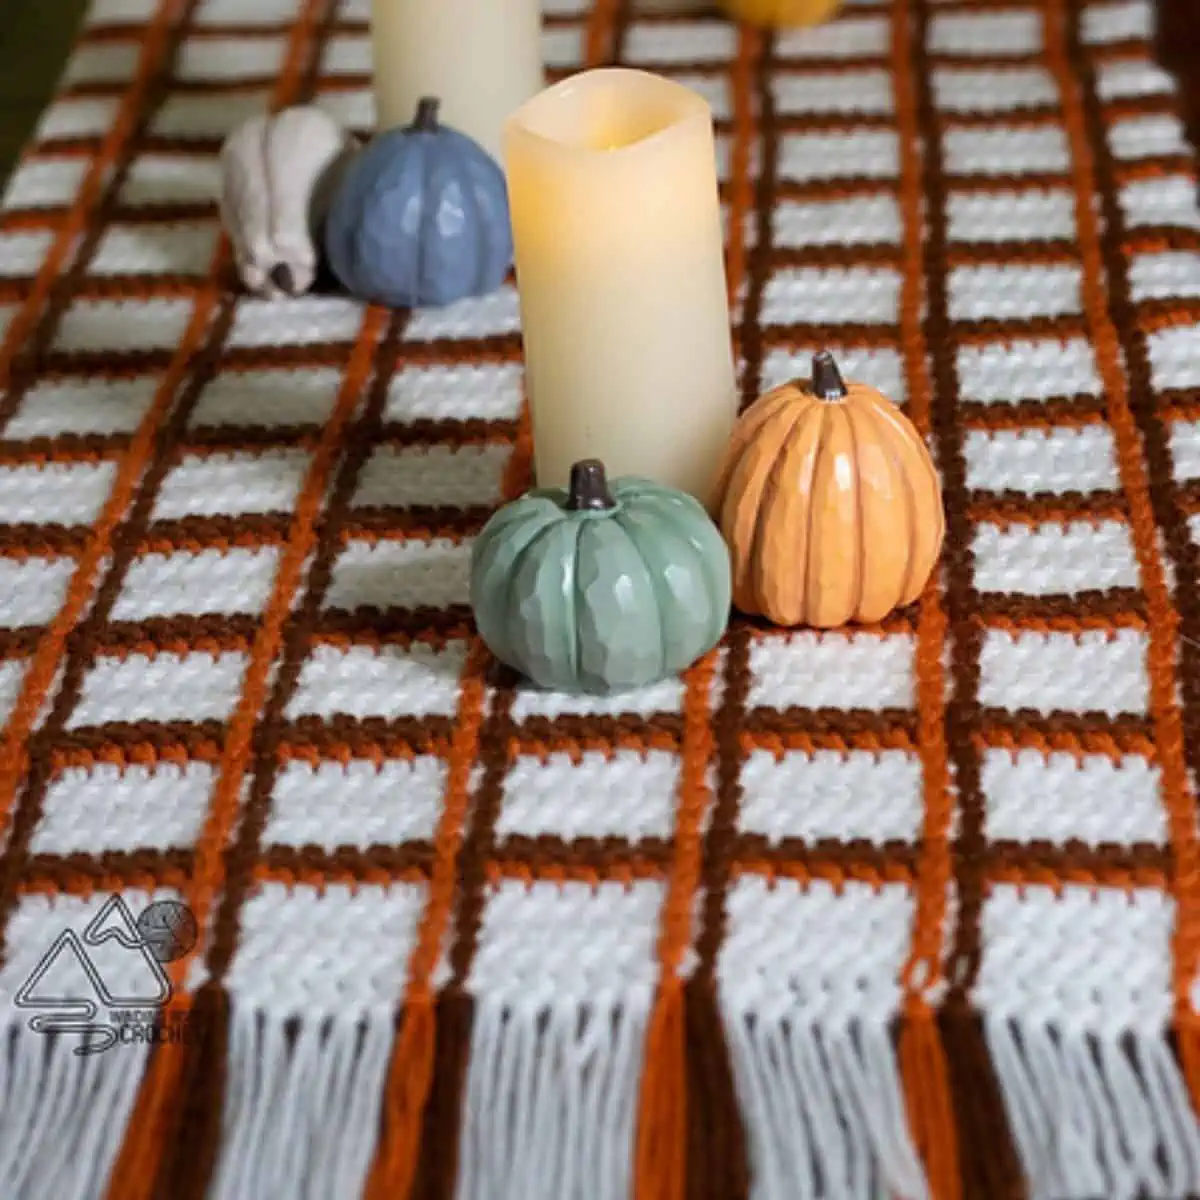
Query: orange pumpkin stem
827	382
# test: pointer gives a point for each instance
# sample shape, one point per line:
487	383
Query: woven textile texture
908	911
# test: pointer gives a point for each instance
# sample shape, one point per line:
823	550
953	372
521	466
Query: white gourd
275	176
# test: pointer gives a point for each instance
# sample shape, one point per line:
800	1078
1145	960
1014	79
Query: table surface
912	909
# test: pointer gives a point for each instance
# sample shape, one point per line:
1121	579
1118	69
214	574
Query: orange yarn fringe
409	1080
930	1109
661	1166
148	1134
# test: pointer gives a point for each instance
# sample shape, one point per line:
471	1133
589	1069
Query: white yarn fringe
1096	1114
62	1114
552	1099
822	1107
302	1105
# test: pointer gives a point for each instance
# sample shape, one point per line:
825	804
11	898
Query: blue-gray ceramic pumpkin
420	218
599	589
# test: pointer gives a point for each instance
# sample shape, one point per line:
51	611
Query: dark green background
35	39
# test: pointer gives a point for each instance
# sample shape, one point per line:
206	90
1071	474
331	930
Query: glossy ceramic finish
831	507
420	219
780	13
276	176
599	599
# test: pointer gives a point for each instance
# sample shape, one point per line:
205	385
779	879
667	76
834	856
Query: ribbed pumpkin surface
832	509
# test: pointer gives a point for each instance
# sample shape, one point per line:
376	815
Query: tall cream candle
617	228
481	58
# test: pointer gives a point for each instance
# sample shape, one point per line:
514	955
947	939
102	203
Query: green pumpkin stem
826	378
589	487
426	119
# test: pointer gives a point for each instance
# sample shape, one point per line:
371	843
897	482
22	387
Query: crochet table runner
337	909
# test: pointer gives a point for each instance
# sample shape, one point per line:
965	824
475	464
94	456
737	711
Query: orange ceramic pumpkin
829	502
781	14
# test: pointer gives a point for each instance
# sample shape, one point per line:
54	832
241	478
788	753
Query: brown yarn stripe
191	1172
1150	412
961	602
80	654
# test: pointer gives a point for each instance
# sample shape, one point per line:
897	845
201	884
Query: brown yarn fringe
409	1077
930	1106
661	1165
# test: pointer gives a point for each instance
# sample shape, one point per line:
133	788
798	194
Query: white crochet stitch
830	794
1092	671
401	574
1054	558
851	37
63	493
1027	369
32	589
195	687
301	1113
121	808
1075	988
1053	459
1016	32
83	406
816	91
80	1104
390	681
625	795
359	804
1147	137
815	294
278	397
870	219
808	986
1017	216
236	580
836	669
563	981
1096	800
490	393
123	325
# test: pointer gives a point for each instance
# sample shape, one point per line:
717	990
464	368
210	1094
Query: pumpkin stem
426	119
589	486
283	279
826	378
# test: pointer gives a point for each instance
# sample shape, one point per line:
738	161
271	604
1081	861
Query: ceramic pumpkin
595	588
276	172
829	502
421	217
780	13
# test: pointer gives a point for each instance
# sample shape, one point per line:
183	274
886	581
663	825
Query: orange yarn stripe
14	755
922	1057
410	1073
1163	620
153	44
141	1156
660	1171
134	1173
42	669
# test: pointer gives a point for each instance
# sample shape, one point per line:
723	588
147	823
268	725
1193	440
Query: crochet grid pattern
911	910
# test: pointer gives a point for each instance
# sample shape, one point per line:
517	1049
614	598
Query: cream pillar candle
481	58
617	229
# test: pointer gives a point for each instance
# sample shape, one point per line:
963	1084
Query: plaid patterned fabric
909	911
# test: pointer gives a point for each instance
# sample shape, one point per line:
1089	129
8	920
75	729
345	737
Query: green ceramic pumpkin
592	589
